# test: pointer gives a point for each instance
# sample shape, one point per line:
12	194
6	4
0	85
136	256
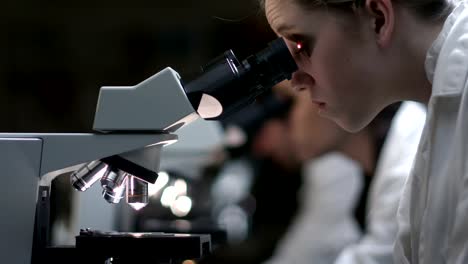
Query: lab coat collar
445	46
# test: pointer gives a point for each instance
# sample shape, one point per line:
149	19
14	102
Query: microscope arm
61	153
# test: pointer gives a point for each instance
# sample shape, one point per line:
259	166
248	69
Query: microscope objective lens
137	193
113	179
87	175
114	196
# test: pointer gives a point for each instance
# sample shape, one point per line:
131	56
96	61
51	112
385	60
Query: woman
321	232
355	58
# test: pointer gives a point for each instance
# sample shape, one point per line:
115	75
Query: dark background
55	55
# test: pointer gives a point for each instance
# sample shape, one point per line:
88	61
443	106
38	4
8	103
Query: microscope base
97	247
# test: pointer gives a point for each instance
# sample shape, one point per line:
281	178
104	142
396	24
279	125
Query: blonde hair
432	10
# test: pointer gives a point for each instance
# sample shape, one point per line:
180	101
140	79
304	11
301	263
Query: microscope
132	124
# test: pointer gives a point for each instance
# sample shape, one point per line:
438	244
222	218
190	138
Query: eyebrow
284	27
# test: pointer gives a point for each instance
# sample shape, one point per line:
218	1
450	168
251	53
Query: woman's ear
382	16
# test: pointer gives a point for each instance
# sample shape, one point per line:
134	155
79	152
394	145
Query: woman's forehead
286	17
279	14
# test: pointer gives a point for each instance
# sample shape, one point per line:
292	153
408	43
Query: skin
311	135
355	65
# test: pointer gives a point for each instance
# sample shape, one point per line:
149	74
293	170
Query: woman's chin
351	126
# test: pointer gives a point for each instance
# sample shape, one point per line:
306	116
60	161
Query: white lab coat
325	228
393	169
433	215
324	224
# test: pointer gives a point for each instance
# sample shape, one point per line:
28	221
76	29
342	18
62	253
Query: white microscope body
143	115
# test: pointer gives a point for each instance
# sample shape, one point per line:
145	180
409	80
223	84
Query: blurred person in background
323	232
334	164
268	156
335	170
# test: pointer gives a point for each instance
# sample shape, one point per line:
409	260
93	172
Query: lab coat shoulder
457	172
434	209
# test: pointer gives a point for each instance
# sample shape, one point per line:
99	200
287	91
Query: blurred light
233	183
137	235
180	187
137	206
234	136
182	235
161	181
189	262
235	220
169	196
181	206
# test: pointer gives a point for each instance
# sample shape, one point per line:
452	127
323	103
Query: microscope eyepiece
273	64
227	84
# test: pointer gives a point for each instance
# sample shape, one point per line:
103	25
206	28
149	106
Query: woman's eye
300	47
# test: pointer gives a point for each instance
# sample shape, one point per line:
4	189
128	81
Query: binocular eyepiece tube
231	84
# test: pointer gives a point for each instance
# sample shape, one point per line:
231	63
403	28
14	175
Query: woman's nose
301	80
